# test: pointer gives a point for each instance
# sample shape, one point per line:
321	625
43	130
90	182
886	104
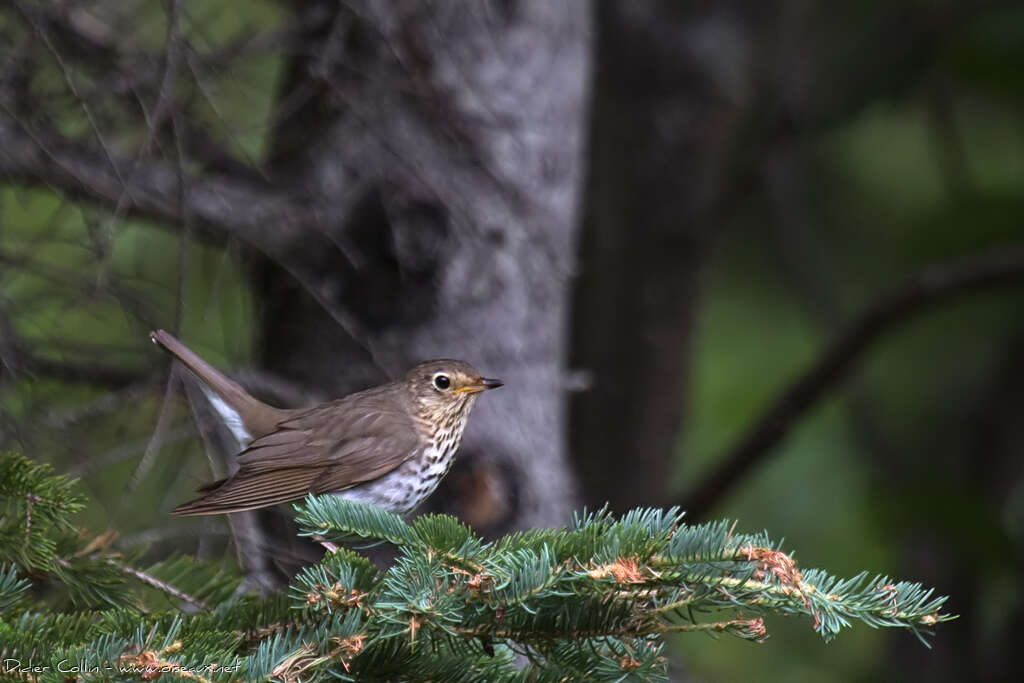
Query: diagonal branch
89	372
281	226
151	580
927	288
20	358
254	213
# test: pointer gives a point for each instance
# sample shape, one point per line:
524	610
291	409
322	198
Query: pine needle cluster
590	602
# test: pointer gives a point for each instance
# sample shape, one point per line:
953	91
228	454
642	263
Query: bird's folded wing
328	448
246	491
363	461
256	486
361	444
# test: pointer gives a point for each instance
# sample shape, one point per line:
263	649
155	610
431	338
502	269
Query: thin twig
934	284
273	222
157	440
41	30
89	372
161	585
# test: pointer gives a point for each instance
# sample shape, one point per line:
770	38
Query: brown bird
388	445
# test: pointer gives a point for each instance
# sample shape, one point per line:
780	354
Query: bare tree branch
91	372
254	213
917	294
160	585
110	401
287	229
17	358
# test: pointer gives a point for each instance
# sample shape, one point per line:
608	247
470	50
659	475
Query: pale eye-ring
442	381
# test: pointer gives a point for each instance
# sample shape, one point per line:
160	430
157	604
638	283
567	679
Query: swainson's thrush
388	446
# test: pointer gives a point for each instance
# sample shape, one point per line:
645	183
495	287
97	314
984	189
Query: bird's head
446	384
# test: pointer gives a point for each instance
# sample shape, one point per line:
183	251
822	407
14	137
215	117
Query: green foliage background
882	209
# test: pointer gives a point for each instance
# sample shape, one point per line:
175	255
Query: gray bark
448	136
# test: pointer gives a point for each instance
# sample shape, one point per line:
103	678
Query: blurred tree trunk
447	136
668	88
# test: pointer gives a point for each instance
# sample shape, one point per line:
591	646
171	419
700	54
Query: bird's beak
483	385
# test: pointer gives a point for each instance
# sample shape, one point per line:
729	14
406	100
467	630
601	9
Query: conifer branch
588	602
40	539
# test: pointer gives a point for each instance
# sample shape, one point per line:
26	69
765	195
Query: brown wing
328	448
250	491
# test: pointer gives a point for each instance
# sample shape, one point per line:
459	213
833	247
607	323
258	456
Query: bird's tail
244	415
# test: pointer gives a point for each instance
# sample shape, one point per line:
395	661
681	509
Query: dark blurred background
763	260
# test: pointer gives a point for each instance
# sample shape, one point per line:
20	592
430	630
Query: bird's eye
442	381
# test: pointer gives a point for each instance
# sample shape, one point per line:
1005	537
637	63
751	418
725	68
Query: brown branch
160	585
89	372
136	75
284	228
104	404
77	39
17	358
254	213
917	294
